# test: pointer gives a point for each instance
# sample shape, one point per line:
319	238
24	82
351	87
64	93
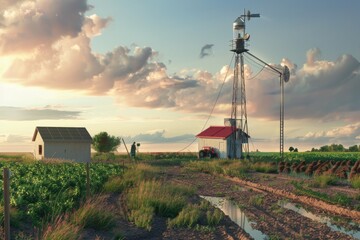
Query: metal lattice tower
239	95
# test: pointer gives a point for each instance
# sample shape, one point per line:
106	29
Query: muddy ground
259	197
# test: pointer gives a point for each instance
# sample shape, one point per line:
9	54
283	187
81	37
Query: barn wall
219	144
78	152
238	150
38	141
237	143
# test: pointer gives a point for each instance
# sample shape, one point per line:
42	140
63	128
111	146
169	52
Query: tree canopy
336	148
103	142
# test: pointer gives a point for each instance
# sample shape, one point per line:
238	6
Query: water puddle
230	209
326	220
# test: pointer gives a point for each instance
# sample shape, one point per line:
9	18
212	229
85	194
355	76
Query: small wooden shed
68	143
219	137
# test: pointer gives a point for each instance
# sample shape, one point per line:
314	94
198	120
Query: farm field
170	196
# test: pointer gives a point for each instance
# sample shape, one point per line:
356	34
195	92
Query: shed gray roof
68	134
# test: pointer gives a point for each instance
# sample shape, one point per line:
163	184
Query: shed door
222	150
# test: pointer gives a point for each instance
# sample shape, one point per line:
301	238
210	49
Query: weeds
324	180
257	200
226	167
338	198
142	217
130	178
214	217
61	229
199	216
154	197
94	215
355	182
264	167
188	217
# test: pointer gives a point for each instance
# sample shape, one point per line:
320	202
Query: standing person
133	150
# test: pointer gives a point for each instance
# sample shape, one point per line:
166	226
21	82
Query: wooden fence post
87	180
126	150
6	176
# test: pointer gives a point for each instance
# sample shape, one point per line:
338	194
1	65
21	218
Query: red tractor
209	152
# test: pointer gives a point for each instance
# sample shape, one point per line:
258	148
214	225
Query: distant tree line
336	148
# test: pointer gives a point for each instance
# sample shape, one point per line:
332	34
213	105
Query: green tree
325	148
296	150
354	148
291	148
103	142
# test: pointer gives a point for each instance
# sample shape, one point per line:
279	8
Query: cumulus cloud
319	89
206	50
54	39
23	114
347	135
157	136
11	138
30	24
349	131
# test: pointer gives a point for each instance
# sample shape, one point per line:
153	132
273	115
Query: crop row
306	156
41	191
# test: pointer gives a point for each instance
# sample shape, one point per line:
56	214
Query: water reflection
230	209
322	219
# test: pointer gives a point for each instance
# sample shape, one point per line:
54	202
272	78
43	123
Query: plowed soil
268	217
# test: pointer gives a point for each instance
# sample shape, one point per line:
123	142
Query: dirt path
270	219
258	201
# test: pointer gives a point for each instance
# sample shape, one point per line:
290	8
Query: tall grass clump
325	180
61	229
228	167
214	217
142	217
16	216
256	200
197	215
131	177
93	214
355	182
114	185
264	167
155	197
188	217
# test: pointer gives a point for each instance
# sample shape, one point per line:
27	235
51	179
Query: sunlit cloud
157	136
24	114
54	38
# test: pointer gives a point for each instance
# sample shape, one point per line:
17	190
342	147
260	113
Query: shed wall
38	142
75	151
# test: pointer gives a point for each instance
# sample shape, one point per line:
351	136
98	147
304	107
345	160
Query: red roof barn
219	138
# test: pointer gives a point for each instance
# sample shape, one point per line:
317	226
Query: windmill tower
239	144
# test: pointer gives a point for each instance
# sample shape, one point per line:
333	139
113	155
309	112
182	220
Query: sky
151	70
